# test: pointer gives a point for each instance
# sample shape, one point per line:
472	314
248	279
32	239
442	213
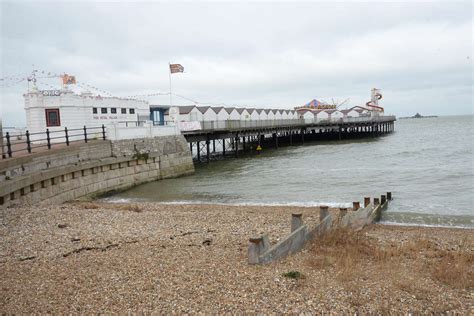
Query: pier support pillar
389	196
213	145
366	201
223	147
207	150
198	145
236	146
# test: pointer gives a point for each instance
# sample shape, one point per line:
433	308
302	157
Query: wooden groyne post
261	252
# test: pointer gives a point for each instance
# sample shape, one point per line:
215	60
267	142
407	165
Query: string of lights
37	75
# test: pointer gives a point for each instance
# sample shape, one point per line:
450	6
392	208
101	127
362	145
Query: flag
176	68
68	79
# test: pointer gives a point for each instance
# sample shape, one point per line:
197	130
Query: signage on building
52	93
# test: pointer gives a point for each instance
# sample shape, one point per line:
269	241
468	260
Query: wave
390	223
200	202
297	204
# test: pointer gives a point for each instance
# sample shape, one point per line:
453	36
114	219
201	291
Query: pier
218	139
64	166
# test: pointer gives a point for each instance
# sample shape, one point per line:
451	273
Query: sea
427	164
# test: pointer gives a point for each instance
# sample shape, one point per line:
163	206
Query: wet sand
93	257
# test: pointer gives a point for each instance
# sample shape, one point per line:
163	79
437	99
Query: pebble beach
95	257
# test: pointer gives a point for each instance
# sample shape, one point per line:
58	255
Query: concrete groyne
92	168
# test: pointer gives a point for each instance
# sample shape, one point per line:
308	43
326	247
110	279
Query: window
113	110
103	110
132	111
123	111
52	117
94	110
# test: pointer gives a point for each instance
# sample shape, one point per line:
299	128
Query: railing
242	124
142	123
30	142
236	124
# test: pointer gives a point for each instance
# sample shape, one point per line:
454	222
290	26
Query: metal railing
30	142
142	123
242	124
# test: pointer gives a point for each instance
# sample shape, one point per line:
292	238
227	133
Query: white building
254	115
208	114
348	113
270	114
221	113
277	114
321	115
335	115
233	114
262	115
362	111
186	113
244	114
57	109
307	115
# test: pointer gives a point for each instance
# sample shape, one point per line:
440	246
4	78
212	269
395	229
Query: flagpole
171	97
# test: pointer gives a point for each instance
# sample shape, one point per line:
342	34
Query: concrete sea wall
92	168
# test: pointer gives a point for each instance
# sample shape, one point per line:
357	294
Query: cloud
267	54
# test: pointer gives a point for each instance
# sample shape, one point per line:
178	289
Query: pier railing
26	143
246	124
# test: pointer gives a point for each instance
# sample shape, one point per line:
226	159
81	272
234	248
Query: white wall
336	115
263	115
278	115
245	115
117	131
352	113
194	115
234	115
222	115
322	115
254	115
308	116
209	115
270	115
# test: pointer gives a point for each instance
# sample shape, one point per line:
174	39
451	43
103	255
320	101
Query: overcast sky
265	54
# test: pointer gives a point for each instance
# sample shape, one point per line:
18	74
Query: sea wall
93	168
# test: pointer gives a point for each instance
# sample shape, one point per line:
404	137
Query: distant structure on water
418	115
